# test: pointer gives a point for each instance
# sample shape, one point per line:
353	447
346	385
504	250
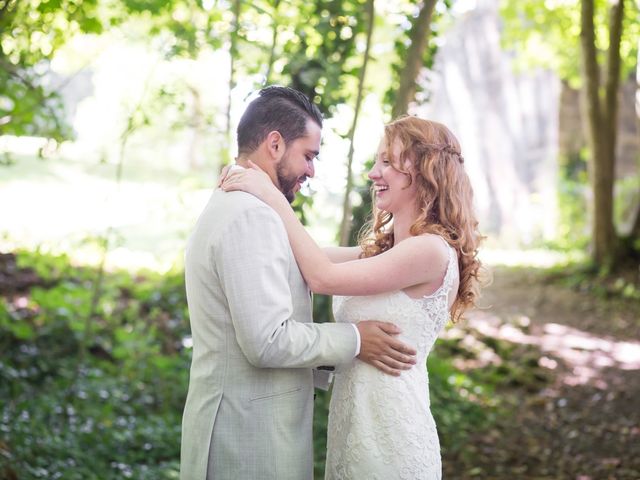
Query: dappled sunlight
533	257
71	207
584	355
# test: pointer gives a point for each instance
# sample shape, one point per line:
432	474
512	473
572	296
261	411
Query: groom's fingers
391	329
400	347
403	348
395	364
407	361
381	349
388	328
386	369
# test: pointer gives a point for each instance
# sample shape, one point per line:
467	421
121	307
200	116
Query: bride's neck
402	226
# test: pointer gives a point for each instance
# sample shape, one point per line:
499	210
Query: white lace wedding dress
380	426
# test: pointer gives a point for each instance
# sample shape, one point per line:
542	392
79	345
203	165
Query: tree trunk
233	51
274	42
602	123
610	119
635	229
345	225
197	124
419	36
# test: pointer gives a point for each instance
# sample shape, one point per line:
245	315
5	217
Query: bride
416	266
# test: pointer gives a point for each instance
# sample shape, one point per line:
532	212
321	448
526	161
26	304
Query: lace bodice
380	426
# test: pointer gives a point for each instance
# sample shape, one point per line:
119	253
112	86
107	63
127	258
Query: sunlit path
573	366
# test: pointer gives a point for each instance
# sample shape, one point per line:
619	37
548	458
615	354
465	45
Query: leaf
22	330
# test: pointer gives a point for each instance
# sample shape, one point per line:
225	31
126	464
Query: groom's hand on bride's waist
380	348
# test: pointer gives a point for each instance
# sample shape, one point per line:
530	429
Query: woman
416	265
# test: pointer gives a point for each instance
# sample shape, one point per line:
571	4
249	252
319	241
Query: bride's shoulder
429	248
430	243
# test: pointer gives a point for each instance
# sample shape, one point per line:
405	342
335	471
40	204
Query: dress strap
452	266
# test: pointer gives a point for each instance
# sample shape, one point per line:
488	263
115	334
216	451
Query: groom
256	350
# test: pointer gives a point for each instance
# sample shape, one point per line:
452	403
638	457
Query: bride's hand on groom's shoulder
252	180
380	348
223	173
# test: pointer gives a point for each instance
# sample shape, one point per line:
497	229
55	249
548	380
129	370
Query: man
249	409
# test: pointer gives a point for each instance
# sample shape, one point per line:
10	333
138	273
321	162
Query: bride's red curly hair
444	199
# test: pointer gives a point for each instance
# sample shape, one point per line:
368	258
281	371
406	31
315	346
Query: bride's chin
380	205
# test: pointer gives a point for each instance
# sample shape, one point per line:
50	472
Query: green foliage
622	285
30	34
459	404
402	43
573	208
547	34
361	213
320	417
323	63
573	184
115	414
627	198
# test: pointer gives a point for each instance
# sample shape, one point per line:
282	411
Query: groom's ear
275	145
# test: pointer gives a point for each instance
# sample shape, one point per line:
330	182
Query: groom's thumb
389	328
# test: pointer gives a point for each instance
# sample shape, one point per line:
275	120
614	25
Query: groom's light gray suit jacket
249	409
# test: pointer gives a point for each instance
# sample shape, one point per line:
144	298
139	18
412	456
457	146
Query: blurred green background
116	117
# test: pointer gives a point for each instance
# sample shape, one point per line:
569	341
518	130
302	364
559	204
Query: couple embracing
250	269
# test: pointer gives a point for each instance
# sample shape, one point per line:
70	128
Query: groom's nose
310	171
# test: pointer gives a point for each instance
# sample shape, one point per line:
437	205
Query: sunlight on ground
538	258
584	354
69	206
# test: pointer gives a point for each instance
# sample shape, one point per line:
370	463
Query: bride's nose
374	173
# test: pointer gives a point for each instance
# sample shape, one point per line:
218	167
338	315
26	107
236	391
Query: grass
64	205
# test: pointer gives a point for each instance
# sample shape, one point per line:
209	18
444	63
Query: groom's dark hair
281	109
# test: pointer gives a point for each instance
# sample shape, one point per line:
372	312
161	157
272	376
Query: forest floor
578	417
540	383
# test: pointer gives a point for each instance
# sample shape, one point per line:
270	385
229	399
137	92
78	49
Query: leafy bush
98	393
111	412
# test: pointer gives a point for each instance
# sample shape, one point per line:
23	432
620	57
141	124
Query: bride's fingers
233	178
223	174
229	184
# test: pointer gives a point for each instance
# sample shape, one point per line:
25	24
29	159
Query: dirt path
584	422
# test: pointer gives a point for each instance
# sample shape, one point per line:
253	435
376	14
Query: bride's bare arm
342	254
414	261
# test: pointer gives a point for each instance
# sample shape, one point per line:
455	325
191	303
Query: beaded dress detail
380	426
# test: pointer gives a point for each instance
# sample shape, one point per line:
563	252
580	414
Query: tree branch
5	7
418	37
345	225
610	110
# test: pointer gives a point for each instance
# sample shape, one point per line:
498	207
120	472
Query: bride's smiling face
394	189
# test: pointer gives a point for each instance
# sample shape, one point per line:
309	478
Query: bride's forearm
315	265
342	254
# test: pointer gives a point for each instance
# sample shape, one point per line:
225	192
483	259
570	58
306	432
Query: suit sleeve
252	261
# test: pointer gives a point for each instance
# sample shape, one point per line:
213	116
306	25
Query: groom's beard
287	181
